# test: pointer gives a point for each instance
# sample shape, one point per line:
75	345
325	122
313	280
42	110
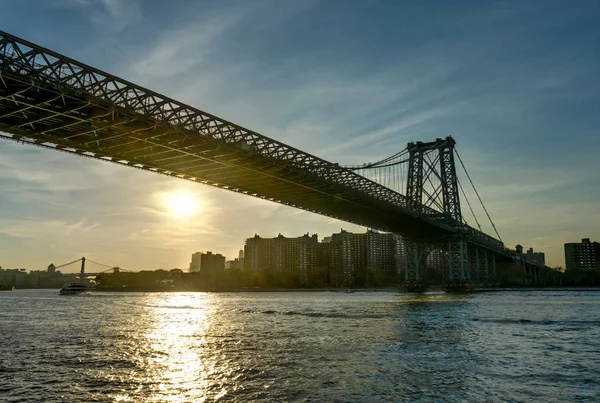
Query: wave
538	322
335	315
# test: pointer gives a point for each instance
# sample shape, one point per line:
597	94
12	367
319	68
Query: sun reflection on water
174	352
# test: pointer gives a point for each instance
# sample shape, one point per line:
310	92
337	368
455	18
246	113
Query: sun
182	205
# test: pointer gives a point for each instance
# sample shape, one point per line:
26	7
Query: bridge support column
414	275
485	270
458	266
82	273
493	277
474	263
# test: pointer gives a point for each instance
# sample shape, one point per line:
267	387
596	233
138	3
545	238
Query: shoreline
397	289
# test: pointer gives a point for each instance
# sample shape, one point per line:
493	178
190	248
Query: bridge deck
53	101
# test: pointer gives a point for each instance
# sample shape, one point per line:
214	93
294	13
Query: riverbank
435	288
570	288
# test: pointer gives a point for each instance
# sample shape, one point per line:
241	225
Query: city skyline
314	87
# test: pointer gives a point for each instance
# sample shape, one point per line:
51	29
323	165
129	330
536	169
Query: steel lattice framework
433	164
52	101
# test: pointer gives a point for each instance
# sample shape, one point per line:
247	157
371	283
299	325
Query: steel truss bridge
52	101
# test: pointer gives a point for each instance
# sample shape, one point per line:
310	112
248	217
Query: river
299	346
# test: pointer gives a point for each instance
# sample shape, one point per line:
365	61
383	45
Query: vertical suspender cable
477	193
469	204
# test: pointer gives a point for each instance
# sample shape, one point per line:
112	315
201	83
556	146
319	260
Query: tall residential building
348	255
582	256
281	255
207	262
195	263
400	253
241	259
435	260
381	253
235	264
212	263
538	257
335	261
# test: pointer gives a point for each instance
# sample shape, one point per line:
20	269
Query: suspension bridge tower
425	172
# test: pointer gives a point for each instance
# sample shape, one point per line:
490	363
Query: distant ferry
6	287
72	288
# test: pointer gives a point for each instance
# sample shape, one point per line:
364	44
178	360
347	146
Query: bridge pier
413	278
494	275
474	263
458	266
466	265
490	267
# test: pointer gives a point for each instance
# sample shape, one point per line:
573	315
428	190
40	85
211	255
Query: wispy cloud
181	49
514	84
111	15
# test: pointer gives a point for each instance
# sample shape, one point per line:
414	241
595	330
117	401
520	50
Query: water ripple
306	347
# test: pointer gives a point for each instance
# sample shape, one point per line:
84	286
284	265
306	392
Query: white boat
73	288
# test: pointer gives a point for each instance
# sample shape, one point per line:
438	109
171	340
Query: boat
6	287
72	289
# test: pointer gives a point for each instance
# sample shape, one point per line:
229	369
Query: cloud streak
514	83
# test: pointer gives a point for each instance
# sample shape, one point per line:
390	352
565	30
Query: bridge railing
483	238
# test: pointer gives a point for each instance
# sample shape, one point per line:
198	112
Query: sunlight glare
182	205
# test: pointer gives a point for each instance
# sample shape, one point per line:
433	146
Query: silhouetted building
400	253
241	258
294	257
335	261
51	268
348	255
582	256
14	277
538	257
207	262
379	253
195	263
382	254
435	263
235	264
211	263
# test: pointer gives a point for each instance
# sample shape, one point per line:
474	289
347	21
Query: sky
515	83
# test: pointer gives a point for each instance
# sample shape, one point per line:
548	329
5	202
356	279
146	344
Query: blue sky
515	83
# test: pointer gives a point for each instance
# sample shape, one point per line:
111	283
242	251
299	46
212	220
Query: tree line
235	279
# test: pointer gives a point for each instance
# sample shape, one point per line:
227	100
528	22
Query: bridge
80	264
52	101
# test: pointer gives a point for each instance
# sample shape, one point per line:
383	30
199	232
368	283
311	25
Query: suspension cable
469	204
477	193
105	265
66	264
380	164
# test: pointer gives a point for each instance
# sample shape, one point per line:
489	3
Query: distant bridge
81	266
52	101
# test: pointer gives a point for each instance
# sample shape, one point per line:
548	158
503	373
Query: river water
299	346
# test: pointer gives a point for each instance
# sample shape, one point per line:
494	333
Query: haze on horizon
514	83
